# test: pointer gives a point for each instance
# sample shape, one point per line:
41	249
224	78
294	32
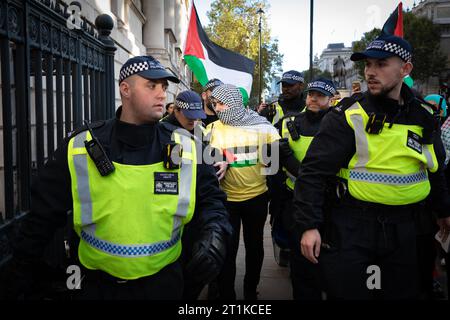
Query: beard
383	92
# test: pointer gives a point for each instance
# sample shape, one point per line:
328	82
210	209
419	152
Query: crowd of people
352	184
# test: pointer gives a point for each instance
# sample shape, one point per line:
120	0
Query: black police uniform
52	198
305	276
289	106
385	234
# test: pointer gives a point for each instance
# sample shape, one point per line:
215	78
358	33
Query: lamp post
260	12
311	25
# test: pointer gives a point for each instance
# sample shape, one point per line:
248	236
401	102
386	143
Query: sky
334	21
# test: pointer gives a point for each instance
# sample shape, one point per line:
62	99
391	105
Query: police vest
278	114
299	148
391	167
130	222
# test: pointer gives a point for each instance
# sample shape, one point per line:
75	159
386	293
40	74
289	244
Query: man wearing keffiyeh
242	136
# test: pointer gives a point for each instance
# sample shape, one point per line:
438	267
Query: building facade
438	11
332	52
147	27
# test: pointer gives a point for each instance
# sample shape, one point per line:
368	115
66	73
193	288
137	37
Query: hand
261	107
208	258
444	228
310	245
285	149
223	165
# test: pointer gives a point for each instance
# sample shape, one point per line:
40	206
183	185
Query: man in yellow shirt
243	138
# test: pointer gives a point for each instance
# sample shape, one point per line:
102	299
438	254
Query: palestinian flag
394	24
208	60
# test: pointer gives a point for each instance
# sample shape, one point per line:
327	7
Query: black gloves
208	256
285	149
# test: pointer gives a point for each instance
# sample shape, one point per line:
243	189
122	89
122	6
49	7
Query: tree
423	36
361	45
234	25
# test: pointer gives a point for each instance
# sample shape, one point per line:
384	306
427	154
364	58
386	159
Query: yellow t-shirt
243	148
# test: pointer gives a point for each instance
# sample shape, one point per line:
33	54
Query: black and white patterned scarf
236	115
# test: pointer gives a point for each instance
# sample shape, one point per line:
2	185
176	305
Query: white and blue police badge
414	142
166	183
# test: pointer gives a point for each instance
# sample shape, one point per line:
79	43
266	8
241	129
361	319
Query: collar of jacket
134	135
315	116
391	106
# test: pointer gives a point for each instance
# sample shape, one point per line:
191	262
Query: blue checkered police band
288	76
394	48
139	67
321	85
213	84
188	105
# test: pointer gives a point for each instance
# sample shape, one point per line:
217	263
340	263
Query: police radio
376	123
98	154
292	130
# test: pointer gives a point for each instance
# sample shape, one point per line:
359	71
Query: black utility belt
377	208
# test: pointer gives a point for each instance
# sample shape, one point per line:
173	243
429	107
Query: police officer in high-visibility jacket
385	148
291	99
135	190
298	131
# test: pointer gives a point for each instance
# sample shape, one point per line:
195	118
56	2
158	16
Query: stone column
169	16
179	21
153	31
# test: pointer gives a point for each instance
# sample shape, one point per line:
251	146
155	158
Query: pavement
275	283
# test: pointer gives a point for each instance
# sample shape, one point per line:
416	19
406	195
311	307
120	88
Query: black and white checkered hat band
288	76
392	48
213	84
321	85
188	106
138	67
228	95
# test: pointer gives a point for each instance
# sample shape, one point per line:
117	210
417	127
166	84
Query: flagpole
260	12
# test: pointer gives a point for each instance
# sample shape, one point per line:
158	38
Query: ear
125	89
203	95
407	68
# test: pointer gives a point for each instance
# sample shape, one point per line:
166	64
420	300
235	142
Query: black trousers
360	239
167	284
253	214
305	276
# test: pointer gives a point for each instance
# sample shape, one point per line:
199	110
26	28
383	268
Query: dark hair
168	104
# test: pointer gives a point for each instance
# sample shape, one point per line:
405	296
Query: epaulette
347	102
93	125
427	106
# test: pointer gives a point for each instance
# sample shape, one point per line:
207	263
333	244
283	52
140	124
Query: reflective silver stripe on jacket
427	153
88	228
362	145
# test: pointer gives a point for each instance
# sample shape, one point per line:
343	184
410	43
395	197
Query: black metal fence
54	74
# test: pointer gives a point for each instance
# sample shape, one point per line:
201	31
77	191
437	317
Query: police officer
132	201
298	131
383	146
188	111
291	99
211	115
